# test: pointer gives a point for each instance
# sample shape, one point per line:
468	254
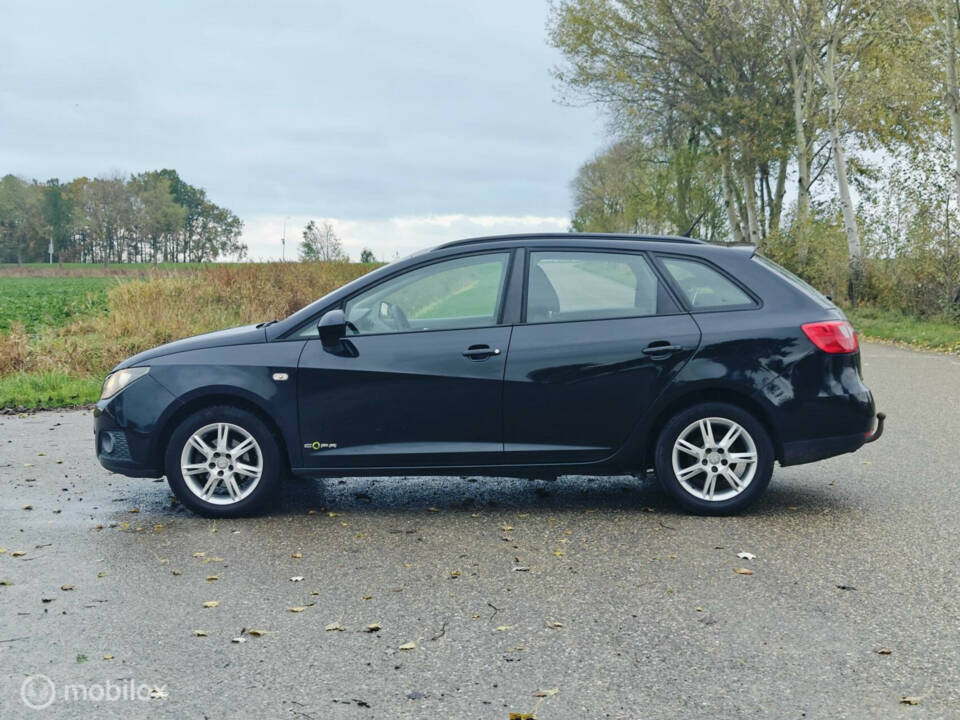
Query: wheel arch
211	399
703	395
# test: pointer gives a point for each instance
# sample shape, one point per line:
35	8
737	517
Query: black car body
540	355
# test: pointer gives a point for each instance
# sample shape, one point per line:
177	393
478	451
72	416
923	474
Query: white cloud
389	238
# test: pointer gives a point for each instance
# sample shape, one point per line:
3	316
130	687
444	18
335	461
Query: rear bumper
805	451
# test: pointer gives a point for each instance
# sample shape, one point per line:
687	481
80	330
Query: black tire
663	459
273	466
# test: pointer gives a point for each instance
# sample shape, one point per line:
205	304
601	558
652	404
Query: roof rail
572	236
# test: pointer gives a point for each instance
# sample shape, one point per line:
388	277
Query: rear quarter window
705	288
796	282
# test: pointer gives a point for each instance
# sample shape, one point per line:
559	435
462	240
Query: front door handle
661	349
480	352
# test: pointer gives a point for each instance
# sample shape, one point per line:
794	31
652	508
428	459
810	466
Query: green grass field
39	302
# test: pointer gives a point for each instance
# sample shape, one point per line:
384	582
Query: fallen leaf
199	554
2	550
297	608
522	716
108	657
238	640
546	693
297	556
158	694
506	528
212	578
334	627
176	572
743	571
521	568
408	646
366	597
503	628
134	510
257	633
66	588
28	507
211	603
47	600
101	574
454	573
433	509
558	553
17	553
5	583
296	578
883	651
554	624
373	627
28	464
201	633
908	700
746	556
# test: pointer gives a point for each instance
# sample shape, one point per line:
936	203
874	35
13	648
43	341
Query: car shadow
568	493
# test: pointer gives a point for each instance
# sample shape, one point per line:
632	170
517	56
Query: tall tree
705	63
156	214
58	216
107	212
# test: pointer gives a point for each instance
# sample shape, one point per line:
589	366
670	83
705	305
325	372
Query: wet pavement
581	598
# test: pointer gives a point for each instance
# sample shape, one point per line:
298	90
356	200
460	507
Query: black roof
573	236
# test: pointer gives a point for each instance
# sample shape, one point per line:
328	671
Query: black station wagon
524	356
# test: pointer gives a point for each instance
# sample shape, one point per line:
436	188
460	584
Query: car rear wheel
714	458
223	461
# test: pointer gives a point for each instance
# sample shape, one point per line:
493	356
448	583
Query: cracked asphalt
582	598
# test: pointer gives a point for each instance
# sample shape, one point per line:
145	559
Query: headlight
117	381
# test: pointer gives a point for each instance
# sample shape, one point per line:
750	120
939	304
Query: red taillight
833	336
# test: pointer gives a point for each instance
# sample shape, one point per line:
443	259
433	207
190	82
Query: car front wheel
714	458
223	461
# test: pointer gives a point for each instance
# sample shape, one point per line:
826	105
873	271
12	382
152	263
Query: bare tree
321	244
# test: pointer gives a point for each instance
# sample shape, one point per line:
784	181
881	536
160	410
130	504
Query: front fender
244	373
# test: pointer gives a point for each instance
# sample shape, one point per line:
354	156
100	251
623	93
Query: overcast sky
404	123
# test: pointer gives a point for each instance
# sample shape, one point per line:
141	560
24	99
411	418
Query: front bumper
125	428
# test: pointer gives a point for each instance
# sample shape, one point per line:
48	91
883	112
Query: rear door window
573	285
704	287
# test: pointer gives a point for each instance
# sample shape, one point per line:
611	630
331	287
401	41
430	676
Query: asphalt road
596	589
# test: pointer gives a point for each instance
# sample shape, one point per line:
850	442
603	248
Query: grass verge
893	326
40	390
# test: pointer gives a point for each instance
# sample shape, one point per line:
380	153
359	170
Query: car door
601	339
421	384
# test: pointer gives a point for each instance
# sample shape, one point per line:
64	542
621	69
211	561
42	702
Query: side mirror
332	329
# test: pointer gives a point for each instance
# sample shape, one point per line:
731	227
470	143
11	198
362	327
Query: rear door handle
654	349
480	352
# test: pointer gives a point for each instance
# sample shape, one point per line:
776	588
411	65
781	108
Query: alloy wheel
221	463
714	459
